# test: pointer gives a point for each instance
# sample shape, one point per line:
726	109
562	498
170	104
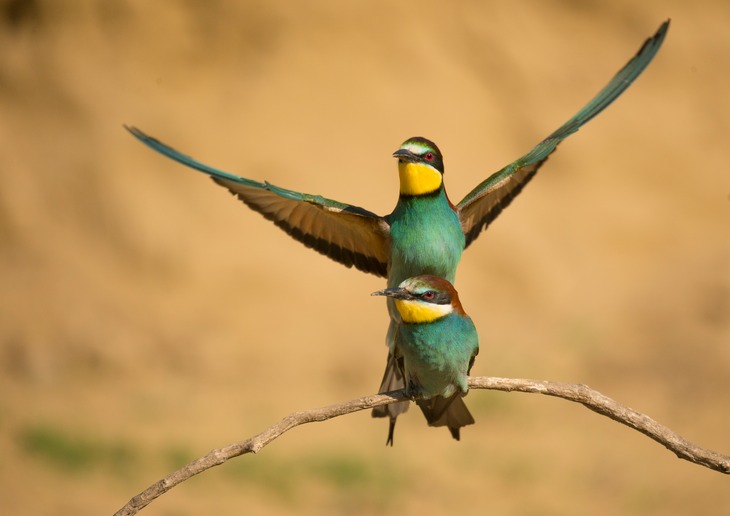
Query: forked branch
582	394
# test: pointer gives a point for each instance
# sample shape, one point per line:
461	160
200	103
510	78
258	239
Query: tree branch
582	394
608	407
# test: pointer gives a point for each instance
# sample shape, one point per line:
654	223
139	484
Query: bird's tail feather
392	381
450	412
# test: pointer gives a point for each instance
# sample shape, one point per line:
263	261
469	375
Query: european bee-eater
425	233
435	347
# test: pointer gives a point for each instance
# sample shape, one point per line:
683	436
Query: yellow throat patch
418	178
418	312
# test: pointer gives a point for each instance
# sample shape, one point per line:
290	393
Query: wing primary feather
328	247
166	150
485	202
347	234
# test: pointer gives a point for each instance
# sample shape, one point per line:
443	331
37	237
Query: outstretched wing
347	234
485	202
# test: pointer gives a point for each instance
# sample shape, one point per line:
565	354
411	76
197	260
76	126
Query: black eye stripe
439	298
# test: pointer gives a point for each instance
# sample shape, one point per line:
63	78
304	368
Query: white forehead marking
412	285
415	147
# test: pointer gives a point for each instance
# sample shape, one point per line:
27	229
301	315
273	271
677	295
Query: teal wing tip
652	45
148	140
618	84
658	38
135	132
664	27
164	149
157	145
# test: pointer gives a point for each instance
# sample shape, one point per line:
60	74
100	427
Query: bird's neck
418	178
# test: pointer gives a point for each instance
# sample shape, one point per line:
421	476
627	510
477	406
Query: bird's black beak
397	293
405	155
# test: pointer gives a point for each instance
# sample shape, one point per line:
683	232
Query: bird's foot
413	391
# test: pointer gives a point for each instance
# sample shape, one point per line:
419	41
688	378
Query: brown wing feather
348	235
484	207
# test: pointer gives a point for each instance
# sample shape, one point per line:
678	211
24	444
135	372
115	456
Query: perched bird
435	347
425	233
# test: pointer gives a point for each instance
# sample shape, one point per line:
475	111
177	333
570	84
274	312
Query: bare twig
608	407
588	397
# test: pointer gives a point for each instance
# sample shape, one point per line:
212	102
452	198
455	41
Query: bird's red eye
429	295
429	156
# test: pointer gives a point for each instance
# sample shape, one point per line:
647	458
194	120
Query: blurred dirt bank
147	317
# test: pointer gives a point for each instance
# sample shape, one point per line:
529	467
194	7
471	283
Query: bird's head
424	299
420	166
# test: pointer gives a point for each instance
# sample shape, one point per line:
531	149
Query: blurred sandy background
147	317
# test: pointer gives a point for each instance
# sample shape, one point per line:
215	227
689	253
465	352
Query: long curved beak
405	155
396	292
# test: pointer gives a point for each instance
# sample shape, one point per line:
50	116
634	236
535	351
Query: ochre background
147	317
